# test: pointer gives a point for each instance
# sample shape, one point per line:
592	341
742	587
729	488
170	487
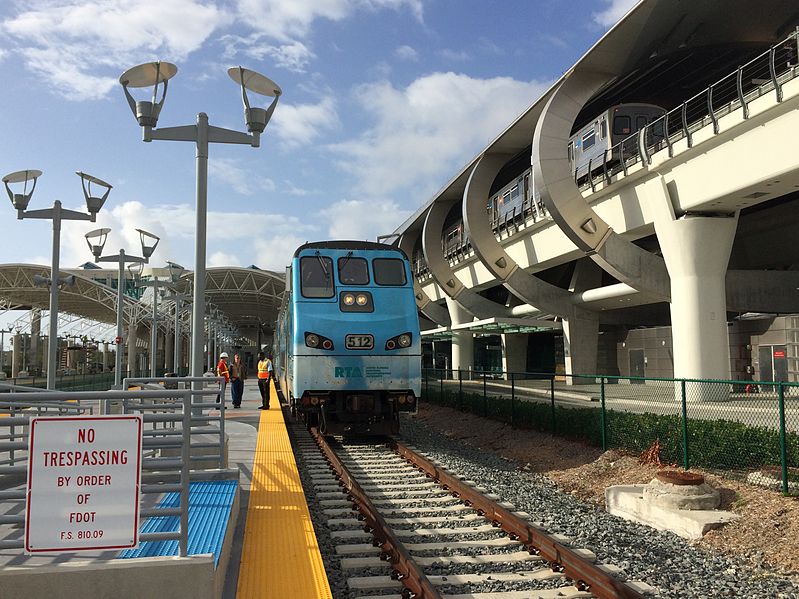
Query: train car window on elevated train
316	277
389	271
622	125
589	139
353	271
640	122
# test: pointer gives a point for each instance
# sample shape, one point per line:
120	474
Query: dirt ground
766	535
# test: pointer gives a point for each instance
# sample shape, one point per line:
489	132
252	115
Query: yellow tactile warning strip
280	556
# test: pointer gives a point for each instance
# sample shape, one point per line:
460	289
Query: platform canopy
86	298
493	326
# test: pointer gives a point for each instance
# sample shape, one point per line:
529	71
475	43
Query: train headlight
349	299
404	340
311	340
361	299
400	341
314	401
401	399
390	344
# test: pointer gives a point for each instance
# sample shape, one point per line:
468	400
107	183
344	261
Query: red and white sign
84	474
118	340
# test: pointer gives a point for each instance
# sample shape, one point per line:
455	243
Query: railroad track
404	525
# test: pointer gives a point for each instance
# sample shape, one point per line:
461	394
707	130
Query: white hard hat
223	354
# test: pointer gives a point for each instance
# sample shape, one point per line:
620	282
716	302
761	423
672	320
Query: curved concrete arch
553	180
426	306
470	301
529	288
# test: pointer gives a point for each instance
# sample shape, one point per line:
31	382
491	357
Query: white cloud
422	133
363	219
406	53
243	181
78	46
300	124
286	20
223	259
611	15
293	56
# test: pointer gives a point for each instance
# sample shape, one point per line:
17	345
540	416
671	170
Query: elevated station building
638	219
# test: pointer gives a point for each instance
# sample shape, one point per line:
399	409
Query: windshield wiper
322	264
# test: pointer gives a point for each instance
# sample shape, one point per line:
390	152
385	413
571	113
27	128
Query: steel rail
586	575
408	572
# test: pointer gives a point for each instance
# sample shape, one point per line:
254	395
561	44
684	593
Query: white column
462	342
133	338
514	353
580	340
105	357
697	250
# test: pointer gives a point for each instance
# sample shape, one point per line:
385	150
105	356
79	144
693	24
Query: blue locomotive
347	342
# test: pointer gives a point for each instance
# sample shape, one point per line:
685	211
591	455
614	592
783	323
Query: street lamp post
56	214
202	134
175	272
96	241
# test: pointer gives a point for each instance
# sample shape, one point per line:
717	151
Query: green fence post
783	454
485	396
441	388
512	398
552	400
602	414
686	462
460	390
427	385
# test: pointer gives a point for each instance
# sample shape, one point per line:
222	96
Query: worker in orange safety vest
223	371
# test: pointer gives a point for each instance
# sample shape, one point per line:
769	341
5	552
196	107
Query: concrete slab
627	501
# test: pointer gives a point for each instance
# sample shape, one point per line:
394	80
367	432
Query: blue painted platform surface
210	503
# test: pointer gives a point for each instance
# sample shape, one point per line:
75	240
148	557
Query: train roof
348	245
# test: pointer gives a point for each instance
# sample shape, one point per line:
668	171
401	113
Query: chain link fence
748	429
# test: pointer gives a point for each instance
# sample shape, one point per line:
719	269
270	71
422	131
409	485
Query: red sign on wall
779	353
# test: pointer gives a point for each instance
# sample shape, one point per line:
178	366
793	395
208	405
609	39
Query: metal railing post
603	421
441	388
685	459
185	456
552	400
783	452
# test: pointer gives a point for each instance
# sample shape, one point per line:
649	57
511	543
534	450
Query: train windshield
389	271
353	271
316	276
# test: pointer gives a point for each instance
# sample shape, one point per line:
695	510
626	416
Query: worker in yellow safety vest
264	374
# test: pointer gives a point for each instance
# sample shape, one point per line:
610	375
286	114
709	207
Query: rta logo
347	372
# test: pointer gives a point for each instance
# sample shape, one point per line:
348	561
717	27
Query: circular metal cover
677	477
255	82
145	75
92	179
20	176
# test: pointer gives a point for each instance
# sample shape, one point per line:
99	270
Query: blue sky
384	101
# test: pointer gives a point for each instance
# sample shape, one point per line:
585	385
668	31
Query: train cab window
640	122
589	139
353	271
389	271
316	276
603	129
622	125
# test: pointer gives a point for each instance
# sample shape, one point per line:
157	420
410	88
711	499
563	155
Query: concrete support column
514	353
169	352
462	342
697	250
16	355
133	338
580	340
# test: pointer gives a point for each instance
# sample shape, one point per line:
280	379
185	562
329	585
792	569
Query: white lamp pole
147	112
96	240
56	214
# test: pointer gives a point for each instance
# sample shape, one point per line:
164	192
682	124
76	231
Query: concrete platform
627	501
